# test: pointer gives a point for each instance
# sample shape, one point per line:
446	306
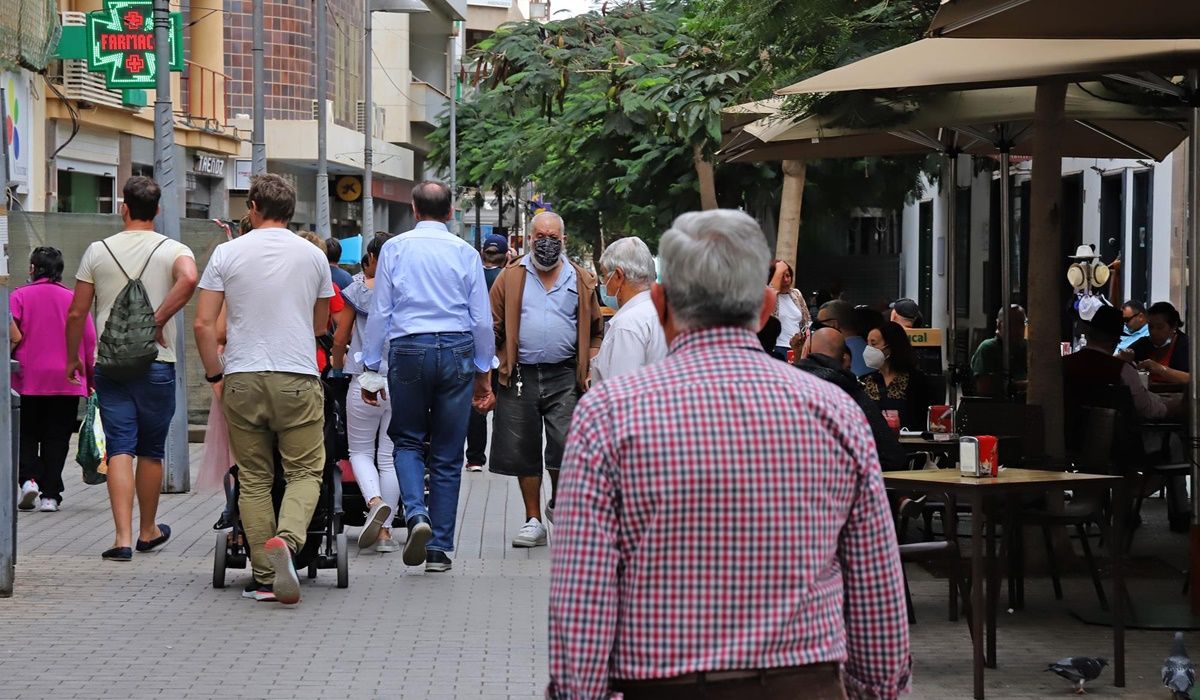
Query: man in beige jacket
548	327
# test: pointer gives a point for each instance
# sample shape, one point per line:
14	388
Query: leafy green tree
616	116
783	41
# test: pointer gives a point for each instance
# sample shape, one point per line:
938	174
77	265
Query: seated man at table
1095	366
826	356
1164	351
987	364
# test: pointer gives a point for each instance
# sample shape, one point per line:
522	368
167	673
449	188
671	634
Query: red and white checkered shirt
720	511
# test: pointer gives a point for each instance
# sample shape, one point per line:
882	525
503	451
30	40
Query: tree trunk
704	173
787	242
1046	265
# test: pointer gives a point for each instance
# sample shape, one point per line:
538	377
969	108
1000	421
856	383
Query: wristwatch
215	378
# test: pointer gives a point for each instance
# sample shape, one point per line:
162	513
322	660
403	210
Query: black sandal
157	541
118	554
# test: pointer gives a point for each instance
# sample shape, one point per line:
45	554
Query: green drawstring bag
90	454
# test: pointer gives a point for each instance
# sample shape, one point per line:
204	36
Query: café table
980	492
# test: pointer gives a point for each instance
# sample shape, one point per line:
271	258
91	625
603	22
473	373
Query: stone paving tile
155	628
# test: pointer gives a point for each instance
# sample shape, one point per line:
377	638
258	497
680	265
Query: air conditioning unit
80	84
360	119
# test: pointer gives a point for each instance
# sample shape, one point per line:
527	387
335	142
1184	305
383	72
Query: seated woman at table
1164	353
896	384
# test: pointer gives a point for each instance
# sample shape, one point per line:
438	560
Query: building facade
1127	209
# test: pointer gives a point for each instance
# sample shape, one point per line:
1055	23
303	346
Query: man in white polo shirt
276	289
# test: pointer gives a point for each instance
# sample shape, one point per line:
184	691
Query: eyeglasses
818	325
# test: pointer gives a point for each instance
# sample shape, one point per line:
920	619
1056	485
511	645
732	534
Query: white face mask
874	357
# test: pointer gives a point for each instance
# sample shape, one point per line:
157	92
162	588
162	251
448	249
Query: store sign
209	164
120	44
242	167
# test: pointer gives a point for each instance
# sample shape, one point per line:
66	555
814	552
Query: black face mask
546	252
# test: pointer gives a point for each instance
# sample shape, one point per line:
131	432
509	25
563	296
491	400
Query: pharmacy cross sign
120	41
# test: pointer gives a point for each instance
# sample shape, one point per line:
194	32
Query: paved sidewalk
79	627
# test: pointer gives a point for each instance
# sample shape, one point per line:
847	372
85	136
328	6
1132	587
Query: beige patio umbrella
969	121
947	63
1067	19
996	121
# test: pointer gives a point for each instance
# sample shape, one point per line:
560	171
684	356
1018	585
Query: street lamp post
322	94
406	7
258	148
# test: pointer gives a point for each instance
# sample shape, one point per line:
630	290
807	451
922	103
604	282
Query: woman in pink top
49	402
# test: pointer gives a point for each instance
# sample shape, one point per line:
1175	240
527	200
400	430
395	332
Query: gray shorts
547	399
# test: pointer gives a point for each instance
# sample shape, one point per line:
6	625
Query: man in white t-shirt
276	289
136	412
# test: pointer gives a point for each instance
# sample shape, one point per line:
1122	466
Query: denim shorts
137	413
543	407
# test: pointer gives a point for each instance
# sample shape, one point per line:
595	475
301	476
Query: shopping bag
90	455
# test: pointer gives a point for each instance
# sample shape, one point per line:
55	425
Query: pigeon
1178	671
1078	670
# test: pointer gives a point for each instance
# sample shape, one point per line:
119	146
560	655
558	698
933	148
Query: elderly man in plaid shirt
722	525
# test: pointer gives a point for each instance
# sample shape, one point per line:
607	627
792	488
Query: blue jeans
137	412
430	379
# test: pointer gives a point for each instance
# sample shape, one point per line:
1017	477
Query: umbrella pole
951	270
1006	262
1193	318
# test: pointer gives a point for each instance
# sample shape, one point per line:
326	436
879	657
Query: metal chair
1096	455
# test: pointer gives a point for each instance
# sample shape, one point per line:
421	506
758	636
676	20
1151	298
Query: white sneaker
28	500
531	534
48	505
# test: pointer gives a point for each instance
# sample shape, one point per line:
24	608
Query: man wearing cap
495	255
907	314
1095	366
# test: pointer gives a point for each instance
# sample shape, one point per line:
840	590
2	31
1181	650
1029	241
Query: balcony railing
79	84
205	94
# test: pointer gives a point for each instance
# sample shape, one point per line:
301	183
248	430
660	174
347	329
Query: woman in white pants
366	426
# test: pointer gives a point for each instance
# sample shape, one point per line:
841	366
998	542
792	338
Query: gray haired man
634	337
643	600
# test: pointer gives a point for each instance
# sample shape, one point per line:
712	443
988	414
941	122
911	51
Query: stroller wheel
219	553
343	562
312	570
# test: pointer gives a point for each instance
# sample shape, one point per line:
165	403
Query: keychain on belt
519	382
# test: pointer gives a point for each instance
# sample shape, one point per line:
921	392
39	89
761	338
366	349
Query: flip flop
157	541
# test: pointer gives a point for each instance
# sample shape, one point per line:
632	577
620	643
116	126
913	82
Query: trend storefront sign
121	44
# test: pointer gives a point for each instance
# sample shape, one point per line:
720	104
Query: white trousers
371	450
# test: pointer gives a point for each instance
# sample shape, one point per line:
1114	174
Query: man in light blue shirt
549	317
1136	324
548	327
431	310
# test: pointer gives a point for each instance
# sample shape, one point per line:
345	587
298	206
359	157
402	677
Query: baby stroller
325	545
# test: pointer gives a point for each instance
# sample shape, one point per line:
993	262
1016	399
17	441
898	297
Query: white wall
981	198
391	45
910	233
1160	284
